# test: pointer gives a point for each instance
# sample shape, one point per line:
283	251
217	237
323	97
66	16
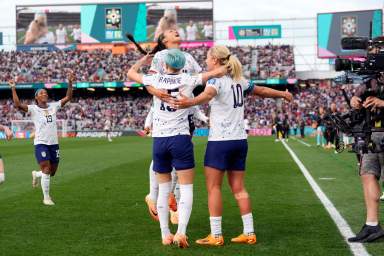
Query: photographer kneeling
371	165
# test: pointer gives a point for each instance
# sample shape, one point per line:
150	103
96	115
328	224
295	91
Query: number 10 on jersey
238	98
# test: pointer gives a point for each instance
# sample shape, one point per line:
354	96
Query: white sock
38	174
372	223
175	186
153	184
2	177
215	225
176	192
45	180
185	207
248	223
163	208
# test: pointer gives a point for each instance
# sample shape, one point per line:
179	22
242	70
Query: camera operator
371	166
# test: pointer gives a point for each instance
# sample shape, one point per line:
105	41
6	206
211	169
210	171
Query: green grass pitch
100	187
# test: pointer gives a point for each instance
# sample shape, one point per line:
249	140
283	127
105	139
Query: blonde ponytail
225	57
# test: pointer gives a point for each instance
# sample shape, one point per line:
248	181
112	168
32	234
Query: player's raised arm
134	75
15	97
68	96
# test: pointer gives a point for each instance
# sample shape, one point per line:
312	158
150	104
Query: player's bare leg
213	181
236	182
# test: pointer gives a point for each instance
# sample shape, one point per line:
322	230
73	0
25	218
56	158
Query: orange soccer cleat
245	239
152	208
217	240
172	202
181	240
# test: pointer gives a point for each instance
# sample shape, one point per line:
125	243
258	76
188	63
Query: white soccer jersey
191	33
227	109
168	121
158	63
76	34
44	120
107	125
60	35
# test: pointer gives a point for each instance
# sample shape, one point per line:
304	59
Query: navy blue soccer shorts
175	151
229	155
49	153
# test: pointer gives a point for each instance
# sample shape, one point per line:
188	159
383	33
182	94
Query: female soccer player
169	39
227	142
172	145
8	136
174	197
43	115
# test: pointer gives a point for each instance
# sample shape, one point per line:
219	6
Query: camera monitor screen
332	27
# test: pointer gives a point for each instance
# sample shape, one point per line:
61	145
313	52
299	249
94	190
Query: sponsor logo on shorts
43	154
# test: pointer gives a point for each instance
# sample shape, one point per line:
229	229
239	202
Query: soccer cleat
382	197
181	240
172	202
35	181
245	239
152	208
174	217
211	240
48	202
168	240
367	234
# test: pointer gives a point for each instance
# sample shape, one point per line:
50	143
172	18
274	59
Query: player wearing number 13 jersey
43	115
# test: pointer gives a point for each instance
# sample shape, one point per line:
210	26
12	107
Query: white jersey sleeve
150	79
212	83
157	63
191	65
193	80
56	105
149	119
199	114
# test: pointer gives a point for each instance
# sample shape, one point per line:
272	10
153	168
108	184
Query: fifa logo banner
110	22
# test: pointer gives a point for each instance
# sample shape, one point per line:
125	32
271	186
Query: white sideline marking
326	178
302	142
357	248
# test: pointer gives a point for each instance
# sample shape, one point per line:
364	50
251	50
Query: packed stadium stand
270	61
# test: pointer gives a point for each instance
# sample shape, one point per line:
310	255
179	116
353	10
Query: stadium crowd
128	112
98	65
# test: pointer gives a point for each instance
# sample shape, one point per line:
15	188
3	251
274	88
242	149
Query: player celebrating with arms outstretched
43	115
227	142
